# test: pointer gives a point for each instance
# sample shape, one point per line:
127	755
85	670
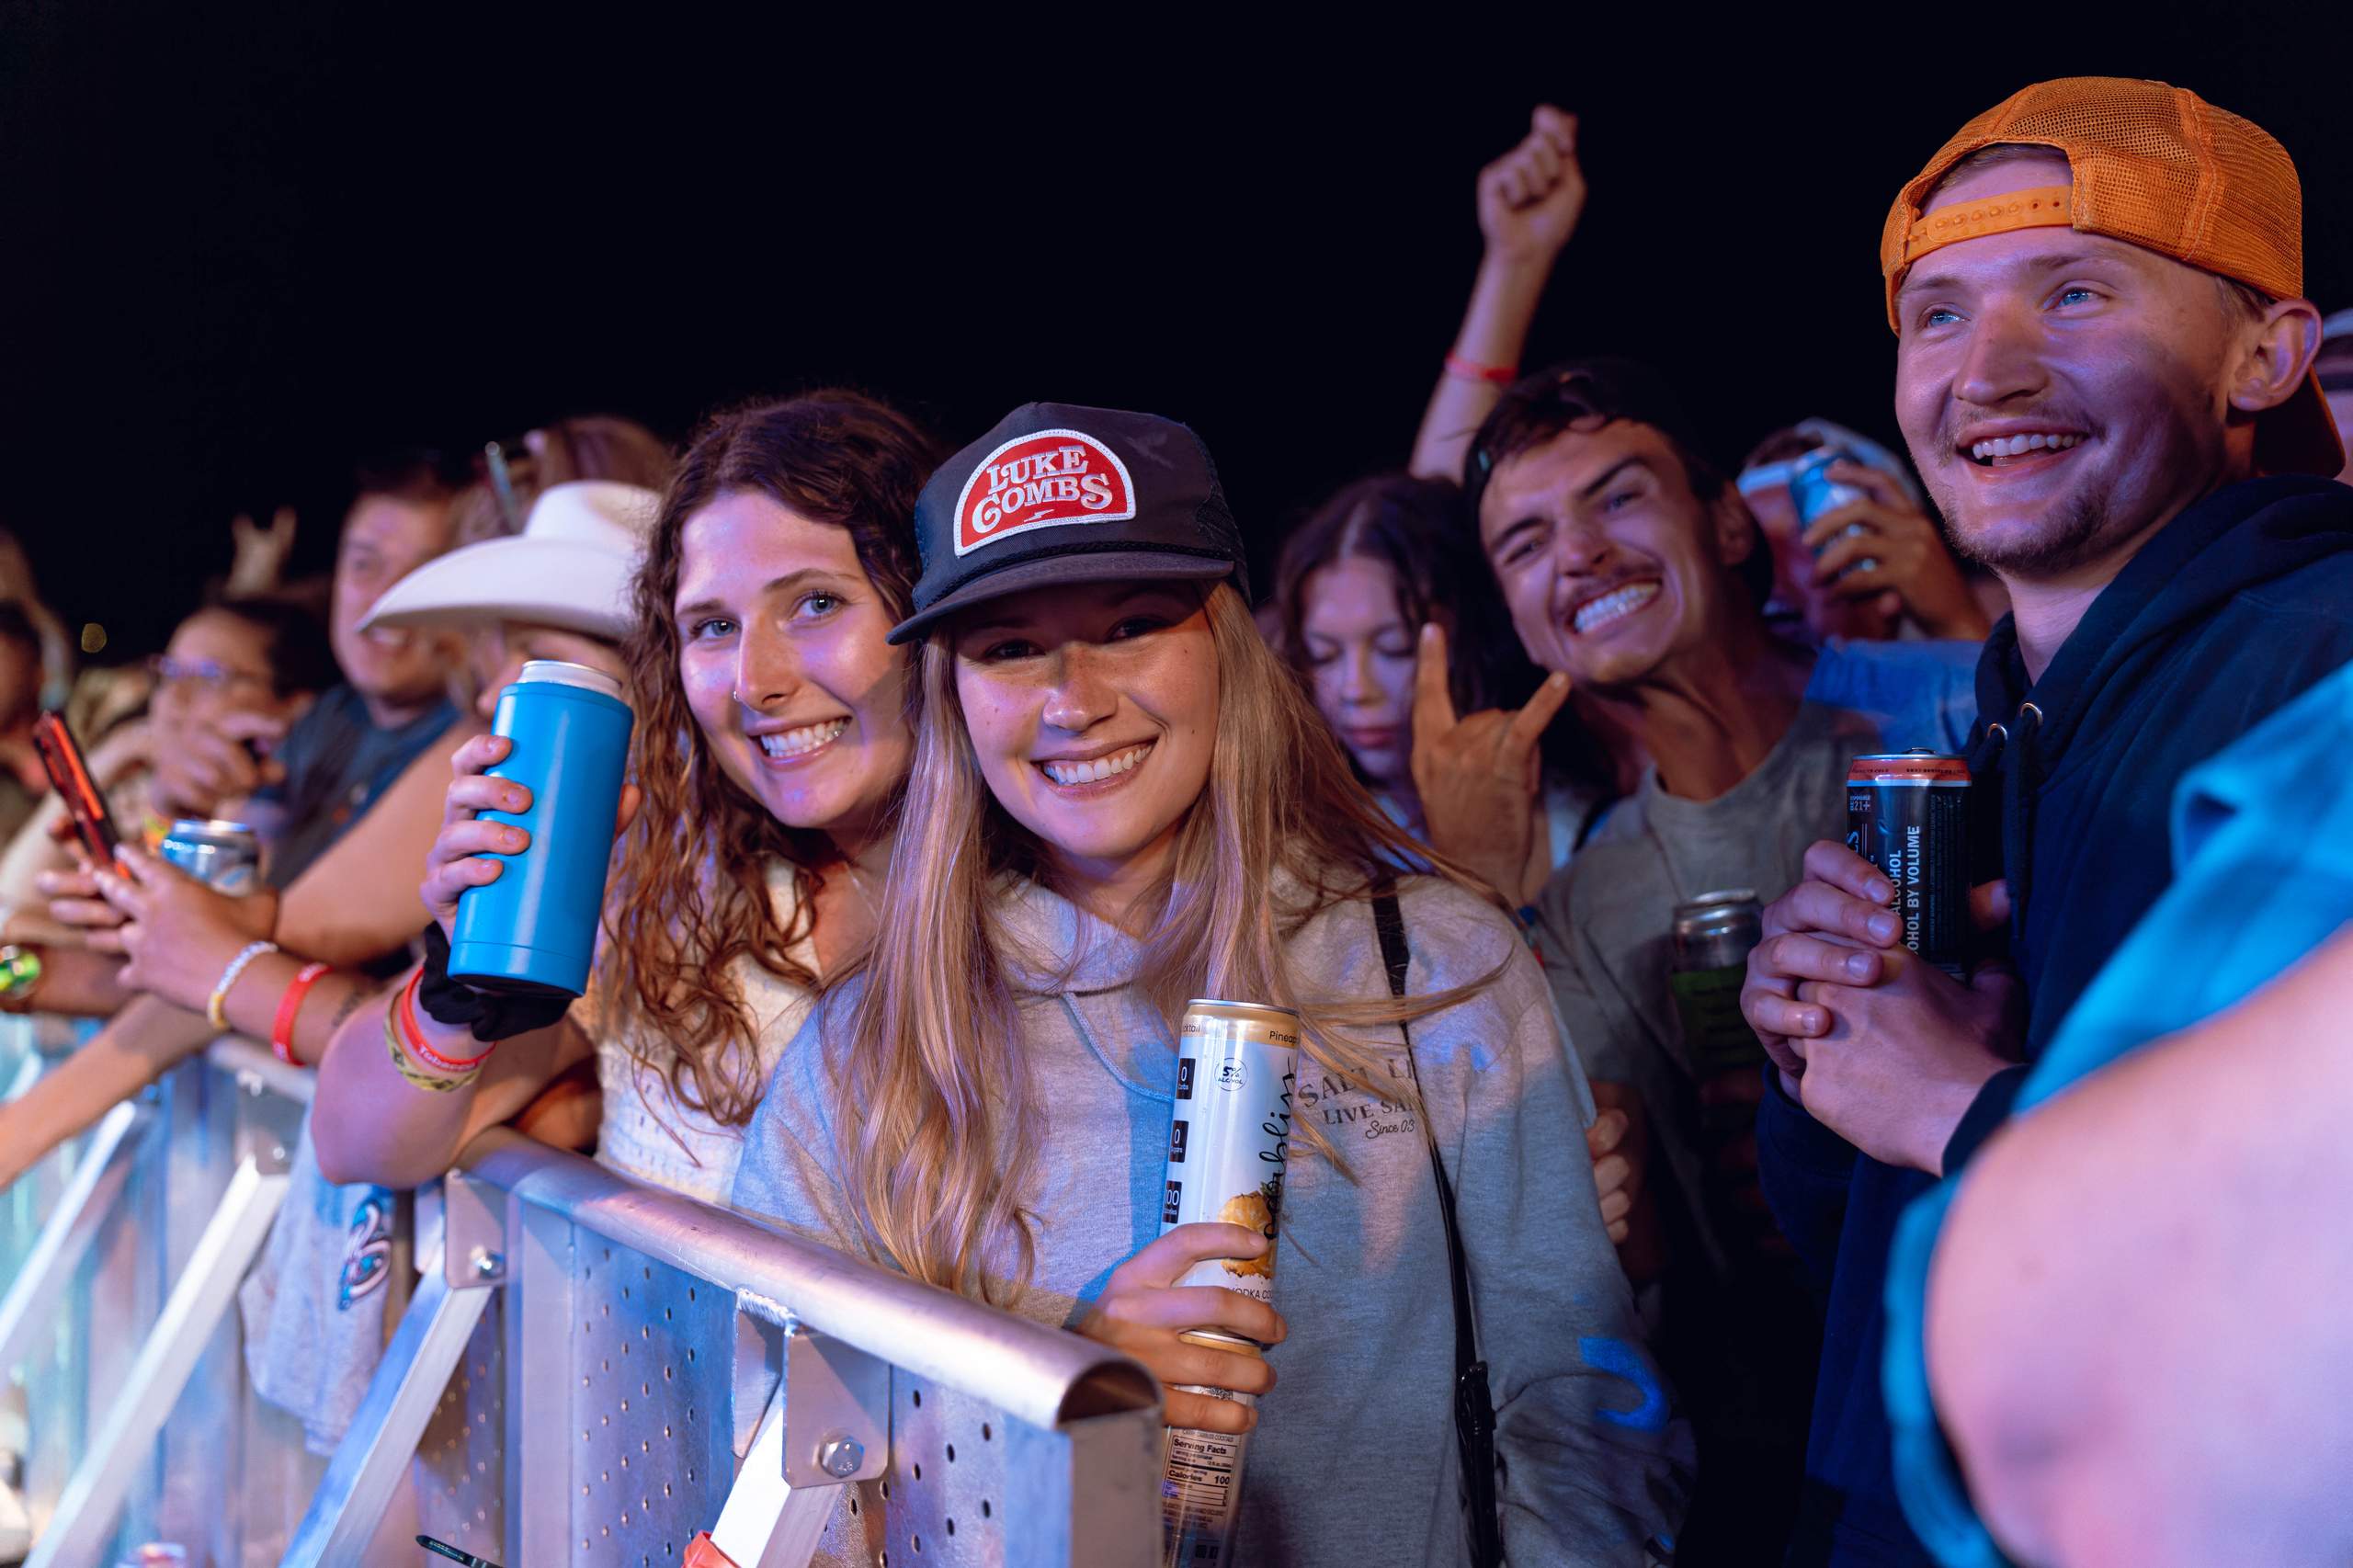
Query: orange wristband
281	1028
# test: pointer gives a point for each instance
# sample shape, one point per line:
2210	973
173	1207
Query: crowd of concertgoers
938	815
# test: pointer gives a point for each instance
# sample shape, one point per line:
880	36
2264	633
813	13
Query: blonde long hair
938	1132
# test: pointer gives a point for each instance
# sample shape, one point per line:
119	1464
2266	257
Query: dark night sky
243	244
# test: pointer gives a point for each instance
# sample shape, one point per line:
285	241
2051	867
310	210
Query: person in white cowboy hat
558	590
314	1307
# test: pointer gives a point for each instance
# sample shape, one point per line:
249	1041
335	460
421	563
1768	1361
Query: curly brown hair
690	896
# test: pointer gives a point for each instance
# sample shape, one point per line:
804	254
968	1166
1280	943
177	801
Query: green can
1713	935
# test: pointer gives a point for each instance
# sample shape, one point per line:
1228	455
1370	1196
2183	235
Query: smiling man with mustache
2103	373
1632	567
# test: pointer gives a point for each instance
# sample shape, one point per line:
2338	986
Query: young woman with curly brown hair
769	755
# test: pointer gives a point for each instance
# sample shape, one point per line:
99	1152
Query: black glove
492	1016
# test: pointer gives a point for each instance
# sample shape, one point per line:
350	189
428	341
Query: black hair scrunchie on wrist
492	1016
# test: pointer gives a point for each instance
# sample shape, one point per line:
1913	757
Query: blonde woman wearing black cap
1121	800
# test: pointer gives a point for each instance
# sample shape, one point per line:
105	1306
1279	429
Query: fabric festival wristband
212	1010
405	1008
281	1028
431	1083
492	1016
1463	370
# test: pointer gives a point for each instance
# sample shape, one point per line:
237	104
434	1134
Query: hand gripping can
223	856
534	929
1907	813
1236	1063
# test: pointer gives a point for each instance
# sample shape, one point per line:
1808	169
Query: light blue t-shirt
1919	695
2263	850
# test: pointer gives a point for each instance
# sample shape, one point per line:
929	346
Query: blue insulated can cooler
534	929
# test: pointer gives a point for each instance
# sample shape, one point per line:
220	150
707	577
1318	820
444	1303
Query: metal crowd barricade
182	1185
589	1371
167	1204
651	1342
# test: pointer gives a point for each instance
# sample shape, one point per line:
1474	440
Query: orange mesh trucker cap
2156	166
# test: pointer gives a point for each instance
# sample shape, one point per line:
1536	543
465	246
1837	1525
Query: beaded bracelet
219	999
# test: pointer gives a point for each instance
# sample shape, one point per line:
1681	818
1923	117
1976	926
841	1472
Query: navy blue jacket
2230	610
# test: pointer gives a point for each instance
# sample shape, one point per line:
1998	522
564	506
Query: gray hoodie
1352	1464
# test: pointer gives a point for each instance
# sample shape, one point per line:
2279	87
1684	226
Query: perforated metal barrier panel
589	1371
947	1485
460	1475
651	1407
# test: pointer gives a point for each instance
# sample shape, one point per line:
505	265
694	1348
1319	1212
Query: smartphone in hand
69	774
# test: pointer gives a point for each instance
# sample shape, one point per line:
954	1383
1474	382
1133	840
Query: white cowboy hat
569	568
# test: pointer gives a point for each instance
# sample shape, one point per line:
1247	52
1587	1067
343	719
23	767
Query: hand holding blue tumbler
534	929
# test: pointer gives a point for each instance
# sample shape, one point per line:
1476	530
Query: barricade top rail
241	1058
1044	1376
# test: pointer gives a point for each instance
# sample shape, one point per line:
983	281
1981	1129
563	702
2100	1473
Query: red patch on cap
1042	482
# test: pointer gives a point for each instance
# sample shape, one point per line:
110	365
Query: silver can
1201	1481
1236	1066
1716	930
223	856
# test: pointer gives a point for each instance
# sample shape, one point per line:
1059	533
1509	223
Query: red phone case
70	777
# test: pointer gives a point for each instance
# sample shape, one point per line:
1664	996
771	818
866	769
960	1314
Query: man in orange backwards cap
2103	374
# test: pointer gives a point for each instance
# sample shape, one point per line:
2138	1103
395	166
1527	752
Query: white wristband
213	1009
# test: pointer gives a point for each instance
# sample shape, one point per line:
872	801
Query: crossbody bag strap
1389	921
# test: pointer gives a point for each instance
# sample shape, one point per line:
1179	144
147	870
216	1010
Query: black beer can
1907	813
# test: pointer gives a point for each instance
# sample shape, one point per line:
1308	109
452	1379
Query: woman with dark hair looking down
1354	586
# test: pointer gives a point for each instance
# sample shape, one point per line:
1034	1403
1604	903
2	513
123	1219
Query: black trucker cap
1060	493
